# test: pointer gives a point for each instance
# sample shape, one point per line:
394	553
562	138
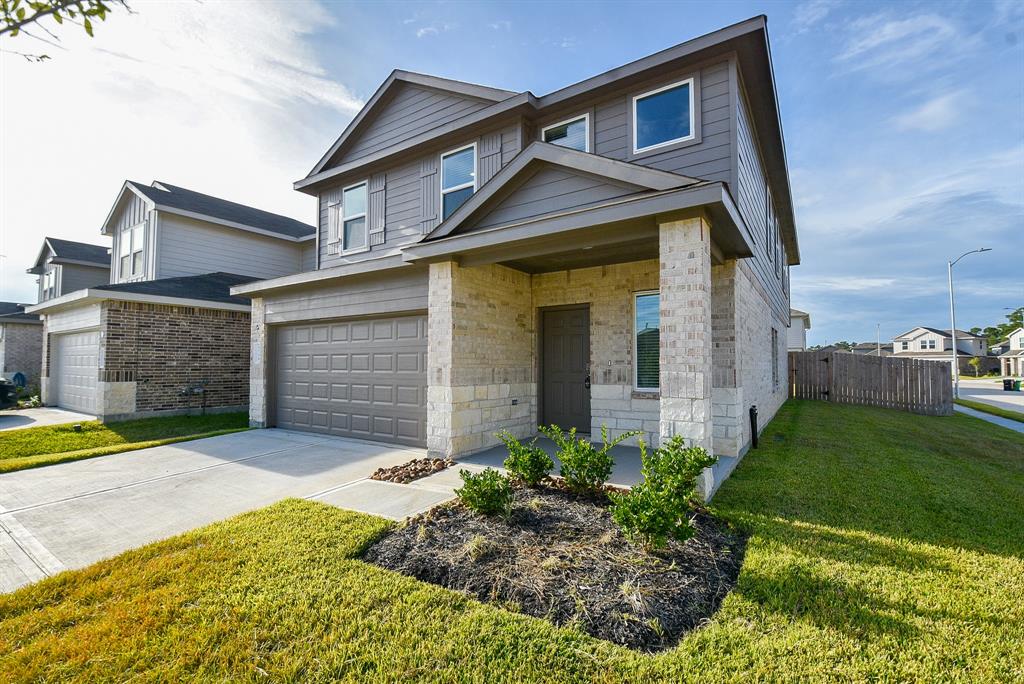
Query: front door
565	355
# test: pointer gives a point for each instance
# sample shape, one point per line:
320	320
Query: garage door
365	378
75	359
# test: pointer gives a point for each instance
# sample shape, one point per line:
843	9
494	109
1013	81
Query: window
131	249
663	116
775	358
50	282
646	329
353	218
905	345
574	133
458	179
927	344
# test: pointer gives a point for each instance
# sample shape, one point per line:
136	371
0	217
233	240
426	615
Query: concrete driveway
990	391
35	417
73	514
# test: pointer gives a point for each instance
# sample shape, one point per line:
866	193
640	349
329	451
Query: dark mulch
413	470
561	557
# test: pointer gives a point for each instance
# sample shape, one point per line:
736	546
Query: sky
904	123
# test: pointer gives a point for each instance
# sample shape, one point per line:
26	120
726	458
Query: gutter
94	296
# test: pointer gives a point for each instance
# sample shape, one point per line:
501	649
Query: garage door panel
75	360
364	378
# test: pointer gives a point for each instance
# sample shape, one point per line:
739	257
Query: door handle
586	383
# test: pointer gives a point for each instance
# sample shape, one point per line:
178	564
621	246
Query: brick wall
21	350
163	348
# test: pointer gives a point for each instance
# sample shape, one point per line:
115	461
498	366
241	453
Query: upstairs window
905	345
663	117
458	179
574	133
646	338
130	251
927	344
353	219
50	283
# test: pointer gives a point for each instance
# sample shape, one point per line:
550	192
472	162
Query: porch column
259	349
686	352
440	330
726	392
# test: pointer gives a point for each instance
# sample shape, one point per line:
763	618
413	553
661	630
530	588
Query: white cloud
808	14
501	25
881	41
936	114
435	28
225	98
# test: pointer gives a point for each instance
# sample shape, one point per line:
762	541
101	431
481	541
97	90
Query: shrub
528	462
488	492
658	507
584	467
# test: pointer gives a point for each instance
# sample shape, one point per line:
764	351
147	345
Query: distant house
799	324
1011	362
21	342
934	344
64	266
161	332
872	349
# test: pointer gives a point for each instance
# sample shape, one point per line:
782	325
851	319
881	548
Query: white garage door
364	378
75	359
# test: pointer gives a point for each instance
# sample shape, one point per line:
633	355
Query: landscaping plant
659	506
585	468
487	493
528	462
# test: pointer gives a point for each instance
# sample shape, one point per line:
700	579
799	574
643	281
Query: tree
975	363
17	15
1000	331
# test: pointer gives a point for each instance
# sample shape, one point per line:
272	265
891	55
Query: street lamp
952	319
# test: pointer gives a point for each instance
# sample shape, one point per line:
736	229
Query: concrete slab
990	391
36	417
625	472
73	514
386	499
1014	425
448	478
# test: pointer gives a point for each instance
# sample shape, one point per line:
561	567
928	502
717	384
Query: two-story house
615	253
1011	362
163	333
799	324
934	344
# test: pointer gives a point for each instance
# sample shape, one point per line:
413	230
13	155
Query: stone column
259	349
440	330
726	394
686	351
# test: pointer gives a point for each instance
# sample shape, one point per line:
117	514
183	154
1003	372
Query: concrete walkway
1014	425
35	417
73	514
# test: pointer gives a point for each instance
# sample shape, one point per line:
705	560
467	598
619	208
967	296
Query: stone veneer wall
480	357
259	367
21	350
160	349
609	290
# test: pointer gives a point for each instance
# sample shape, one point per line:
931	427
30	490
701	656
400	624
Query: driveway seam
33	549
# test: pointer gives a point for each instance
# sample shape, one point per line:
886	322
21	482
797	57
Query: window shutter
376	208
490	156
333	201
430	194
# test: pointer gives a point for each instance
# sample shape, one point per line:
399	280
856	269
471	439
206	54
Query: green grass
885	547
46	445
994	410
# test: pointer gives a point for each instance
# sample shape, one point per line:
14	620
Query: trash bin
1016	385
1007	385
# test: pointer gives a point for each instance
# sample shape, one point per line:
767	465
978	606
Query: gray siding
394	291
307	256
74	277
710	159
411	195
756	206
553	189
412	110
191	247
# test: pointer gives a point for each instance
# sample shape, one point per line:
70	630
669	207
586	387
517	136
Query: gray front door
363	378
566	366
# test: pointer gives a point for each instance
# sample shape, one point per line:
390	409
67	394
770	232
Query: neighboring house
64	266
21	343
163	334
799	324
872	349
1011	362
613	253
933	344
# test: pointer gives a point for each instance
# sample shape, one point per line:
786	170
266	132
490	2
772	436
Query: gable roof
69	251
388	87
538	154
1012	333
937	331
184	202
12	312
797	313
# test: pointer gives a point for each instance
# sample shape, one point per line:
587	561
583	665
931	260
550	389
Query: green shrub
488	492
528	462
585	468
658	507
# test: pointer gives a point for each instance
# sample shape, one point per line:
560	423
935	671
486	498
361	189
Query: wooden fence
907	384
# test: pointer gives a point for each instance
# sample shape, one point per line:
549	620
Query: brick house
162	334
21	340
615	253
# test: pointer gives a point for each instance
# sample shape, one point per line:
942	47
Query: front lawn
993	410
46	445
884	546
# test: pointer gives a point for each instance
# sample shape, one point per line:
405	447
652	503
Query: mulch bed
413	470
561	557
